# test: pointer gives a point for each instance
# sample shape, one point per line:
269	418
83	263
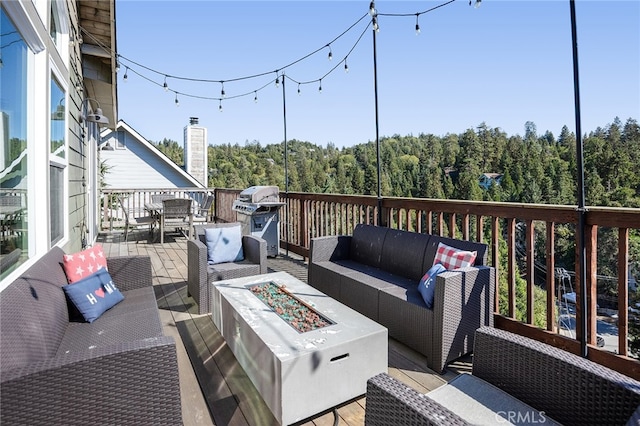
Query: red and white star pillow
453	258
84	263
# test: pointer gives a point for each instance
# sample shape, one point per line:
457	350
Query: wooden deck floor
214	388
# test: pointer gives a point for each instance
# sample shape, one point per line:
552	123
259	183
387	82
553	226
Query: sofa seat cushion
479	402
230	270
135	318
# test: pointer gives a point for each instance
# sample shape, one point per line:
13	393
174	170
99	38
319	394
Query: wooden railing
514	225
134	200
306	216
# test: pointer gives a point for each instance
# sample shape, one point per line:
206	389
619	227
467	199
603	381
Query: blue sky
504	63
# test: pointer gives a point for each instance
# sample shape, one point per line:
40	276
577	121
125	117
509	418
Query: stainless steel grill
258	210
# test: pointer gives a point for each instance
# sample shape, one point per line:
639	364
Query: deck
214	388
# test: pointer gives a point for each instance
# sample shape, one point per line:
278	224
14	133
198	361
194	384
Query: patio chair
135	221
175	213
202	214
200	274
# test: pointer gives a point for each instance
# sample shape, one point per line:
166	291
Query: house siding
136	166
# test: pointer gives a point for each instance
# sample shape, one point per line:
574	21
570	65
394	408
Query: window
57	164
120	139
13	150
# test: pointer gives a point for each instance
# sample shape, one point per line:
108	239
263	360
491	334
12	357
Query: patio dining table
156	210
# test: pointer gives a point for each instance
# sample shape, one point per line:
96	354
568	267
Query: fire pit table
298	373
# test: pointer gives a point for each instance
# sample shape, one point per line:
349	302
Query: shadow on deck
214	388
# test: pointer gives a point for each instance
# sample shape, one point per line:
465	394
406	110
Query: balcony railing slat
623	294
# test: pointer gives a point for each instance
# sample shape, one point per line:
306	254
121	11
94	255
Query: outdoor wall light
96	116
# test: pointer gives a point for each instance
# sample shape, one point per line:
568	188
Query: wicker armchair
558	384
201	274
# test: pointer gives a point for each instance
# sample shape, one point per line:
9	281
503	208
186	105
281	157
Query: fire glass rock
295	312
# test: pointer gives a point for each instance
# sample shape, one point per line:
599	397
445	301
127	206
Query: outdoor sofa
200	274
509	371
376	271
59	369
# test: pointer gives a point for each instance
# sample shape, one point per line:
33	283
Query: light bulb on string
330	55
417	24
117	64
255	96
222	94
346	67
372	8
376	27
277	79
476	4
165	85
125	77
299	92
220	106
177	101
320	87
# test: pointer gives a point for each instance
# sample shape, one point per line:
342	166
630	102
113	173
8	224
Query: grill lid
259	194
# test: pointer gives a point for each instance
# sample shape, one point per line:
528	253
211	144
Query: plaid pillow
453	258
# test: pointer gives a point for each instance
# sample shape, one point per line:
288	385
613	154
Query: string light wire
374	22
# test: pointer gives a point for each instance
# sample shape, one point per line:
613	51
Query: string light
255	97
126	70
299	92
177	101
476	4
372	11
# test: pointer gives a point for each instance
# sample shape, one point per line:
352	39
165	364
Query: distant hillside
535	168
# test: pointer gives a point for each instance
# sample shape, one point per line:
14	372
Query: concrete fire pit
298	374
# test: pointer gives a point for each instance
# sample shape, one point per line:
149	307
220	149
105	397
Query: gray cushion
480	403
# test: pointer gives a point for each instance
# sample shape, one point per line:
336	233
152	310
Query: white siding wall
135	166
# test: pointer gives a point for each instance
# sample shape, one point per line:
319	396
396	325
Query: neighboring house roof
134	162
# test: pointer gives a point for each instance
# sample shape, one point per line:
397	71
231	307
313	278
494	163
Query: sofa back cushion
432	248
403	253
34	313
367	243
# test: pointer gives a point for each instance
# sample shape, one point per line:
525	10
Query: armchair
200	274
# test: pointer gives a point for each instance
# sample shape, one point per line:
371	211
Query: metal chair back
176	208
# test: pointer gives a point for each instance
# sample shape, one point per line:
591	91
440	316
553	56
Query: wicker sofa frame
376	272
200	274
56	369
570	389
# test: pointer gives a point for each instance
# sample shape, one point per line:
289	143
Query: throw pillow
427	284
452	258
84	263
224	244
94	294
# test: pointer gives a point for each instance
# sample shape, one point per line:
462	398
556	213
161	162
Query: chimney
195	151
